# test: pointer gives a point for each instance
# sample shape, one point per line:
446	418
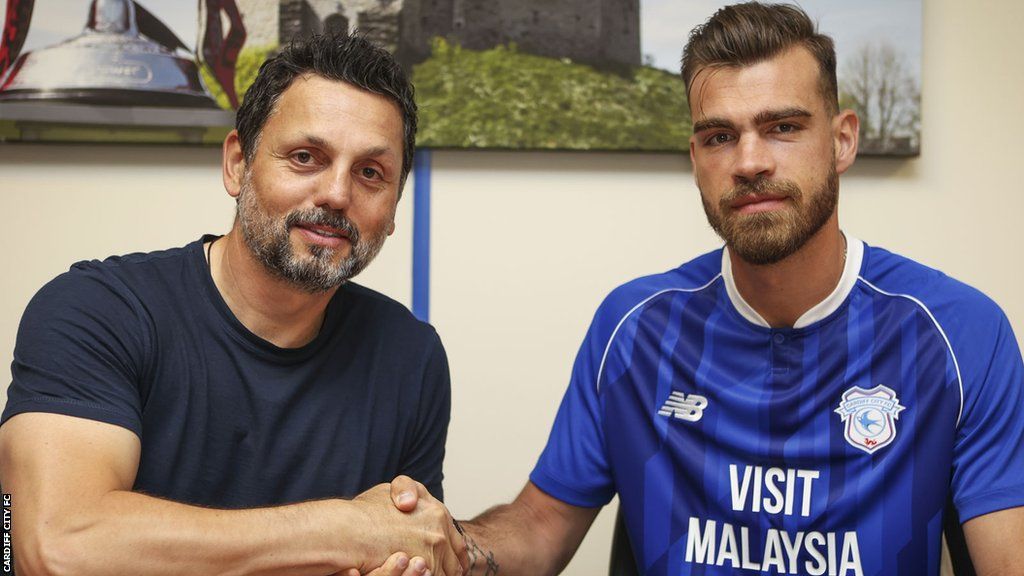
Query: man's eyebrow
376	151
710	124
765	117
324	144
317	141
769	116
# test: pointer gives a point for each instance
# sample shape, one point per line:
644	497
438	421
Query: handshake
411	533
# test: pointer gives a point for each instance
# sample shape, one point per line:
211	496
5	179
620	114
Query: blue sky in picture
665	25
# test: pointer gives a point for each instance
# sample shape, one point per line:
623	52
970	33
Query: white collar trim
851	271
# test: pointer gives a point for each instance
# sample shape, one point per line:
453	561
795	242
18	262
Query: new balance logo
684	407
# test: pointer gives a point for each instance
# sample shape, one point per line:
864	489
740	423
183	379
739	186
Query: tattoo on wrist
489	567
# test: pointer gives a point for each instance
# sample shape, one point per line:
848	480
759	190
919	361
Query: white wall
526	244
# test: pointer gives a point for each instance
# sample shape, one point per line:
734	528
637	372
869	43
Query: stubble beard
269	240
769	237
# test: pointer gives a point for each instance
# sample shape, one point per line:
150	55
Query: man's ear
846	134
233	164
391	227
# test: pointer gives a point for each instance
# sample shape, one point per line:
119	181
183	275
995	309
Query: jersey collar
854	257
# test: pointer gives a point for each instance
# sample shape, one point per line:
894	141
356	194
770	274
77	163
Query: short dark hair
348	58
752	32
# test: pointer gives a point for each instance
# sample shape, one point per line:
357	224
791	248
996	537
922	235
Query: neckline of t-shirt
234	326
817	313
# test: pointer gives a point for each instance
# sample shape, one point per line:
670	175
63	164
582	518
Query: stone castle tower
602	33
267	24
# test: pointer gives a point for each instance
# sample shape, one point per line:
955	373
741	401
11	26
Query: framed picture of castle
878	47
506	74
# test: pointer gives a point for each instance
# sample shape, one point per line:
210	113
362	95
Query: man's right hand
535	534
75	513
413	522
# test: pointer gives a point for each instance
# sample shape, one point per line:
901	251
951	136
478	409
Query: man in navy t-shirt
234	405
798	402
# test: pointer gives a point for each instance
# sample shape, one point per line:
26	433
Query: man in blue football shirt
798	402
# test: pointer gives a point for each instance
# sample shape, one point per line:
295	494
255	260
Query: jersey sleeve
78	352
574	465
424	460
988	459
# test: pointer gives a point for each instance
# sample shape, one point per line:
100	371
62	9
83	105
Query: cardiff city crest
870	416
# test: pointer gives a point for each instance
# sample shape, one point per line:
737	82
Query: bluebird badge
870	416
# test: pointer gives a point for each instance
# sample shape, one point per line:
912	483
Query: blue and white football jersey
830	448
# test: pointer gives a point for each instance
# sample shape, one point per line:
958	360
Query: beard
269	239
770	237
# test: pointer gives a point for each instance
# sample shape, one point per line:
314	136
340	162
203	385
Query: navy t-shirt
227	419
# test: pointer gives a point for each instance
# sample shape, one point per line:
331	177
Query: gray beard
270	242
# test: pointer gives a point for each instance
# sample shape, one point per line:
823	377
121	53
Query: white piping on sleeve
600	370
956	364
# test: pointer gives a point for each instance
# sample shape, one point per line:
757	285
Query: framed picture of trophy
505	74
115	70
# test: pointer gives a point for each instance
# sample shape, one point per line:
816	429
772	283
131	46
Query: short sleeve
424	460
78	351
988	459
574	464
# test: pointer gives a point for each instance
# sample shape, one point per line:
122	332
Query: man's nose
335	190
754	159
